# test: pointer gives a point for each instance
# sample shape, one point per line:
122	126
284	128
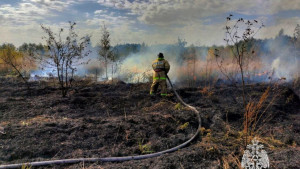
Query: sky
199	22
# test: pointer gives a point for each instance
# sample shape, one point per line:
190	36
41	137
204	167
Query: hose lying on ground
115	159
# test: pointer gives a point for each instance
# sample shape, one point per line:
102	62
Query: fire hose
116	159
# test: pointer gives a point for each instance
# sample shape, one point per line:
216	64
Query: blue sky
199	22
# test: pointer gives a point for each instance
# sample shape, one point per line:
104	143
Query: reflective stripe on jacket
161	67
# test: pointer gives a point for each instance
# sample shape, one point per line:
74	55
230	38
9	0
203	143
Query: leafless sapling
239	34
64	55
105	49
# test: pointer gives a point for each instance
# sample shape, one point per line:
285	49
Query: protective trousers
159	79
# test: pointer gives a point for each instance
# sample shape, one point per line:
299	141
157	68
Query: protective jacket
161	67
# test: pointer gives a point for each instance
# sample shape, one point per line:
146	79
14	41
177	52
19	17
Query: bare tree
296	42
208	67
65	55
239	35
114	62
180	49
191	65
105	51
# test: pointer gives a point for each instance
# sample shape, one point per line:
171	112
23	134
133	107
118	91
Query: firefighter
161	67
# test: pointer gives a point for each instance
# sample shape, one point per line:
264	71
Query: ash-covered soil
102	120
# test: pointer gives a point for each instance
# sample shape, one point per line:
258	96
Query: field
120	119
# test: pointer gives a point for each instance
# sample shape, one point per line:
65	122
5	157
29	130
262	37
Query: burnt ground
102	120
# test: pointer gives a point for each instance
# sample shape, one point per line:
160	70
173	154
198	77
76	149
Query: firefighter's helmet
160	55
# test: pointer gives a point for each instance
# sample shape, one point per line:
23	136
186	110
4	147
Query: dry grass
231	142
26	167
158	106
206	91
253	108
272	143
231	161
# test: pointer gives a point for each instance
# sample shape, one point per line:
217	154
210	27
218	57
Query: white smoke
136	65
285	68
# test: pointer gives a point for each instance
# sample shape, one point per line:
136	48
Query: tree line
66	54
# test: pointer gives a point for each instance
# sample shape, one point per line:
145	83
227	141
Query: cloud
28	11
99	11
151	21
56	5
25	33
186	19
99	19
25	13
119	4
168	12
287	24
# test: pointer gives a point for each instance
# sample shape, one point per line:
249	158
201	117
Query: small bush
178	106
184	126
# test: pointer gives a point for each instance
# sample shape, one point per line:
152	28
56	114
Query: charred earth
119	119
